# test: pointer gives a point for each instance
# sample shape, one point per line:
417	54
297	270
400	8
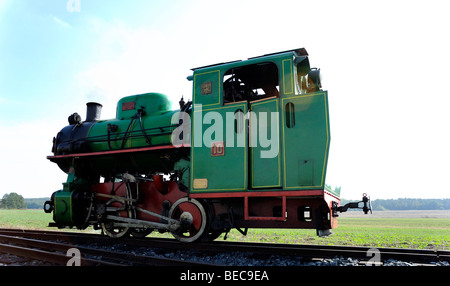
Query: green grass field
422	233
29	219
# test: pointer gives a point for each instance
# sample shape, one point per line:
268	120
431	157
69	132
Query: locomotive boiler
249	151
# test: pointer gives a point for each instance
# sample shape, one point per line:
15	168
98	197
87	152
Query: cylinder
93	111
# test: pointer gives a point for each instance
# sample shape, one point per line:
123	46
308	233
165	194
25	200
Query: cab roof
295	52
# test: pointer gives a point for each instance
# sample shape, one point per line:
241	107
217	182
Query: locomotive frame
210	166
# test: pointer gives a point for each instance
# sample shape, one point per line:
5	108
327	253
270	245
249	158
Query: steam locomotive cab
273	162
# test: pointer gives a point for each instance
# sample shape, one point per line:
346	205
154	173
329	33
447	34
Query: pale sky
385	65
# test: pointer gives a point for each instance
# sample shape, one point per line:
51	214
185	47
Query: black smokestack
93	112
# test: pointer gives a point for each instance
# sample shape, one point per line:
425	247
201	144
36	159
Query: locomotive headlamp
75	118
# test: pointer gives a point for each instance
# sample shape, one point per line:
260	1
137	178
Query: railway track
52	247
63	248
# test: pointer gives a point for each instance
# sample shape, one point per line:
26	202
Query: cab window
251	82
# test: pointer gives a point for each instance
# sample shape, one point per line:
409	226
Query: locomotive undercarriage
131	207
137	206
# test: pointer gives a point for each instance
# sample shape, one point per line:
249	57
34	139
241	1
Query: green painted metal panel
63	208
152	103
265	165
207	87
288	84
305	172
306	138
219	159
157	127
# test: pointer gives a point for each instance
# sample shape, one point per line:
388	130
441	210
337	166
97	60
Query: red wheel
193	218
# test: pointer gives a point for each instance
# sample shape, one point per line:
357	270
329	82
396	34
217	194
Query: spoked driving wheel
192	216
111	228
